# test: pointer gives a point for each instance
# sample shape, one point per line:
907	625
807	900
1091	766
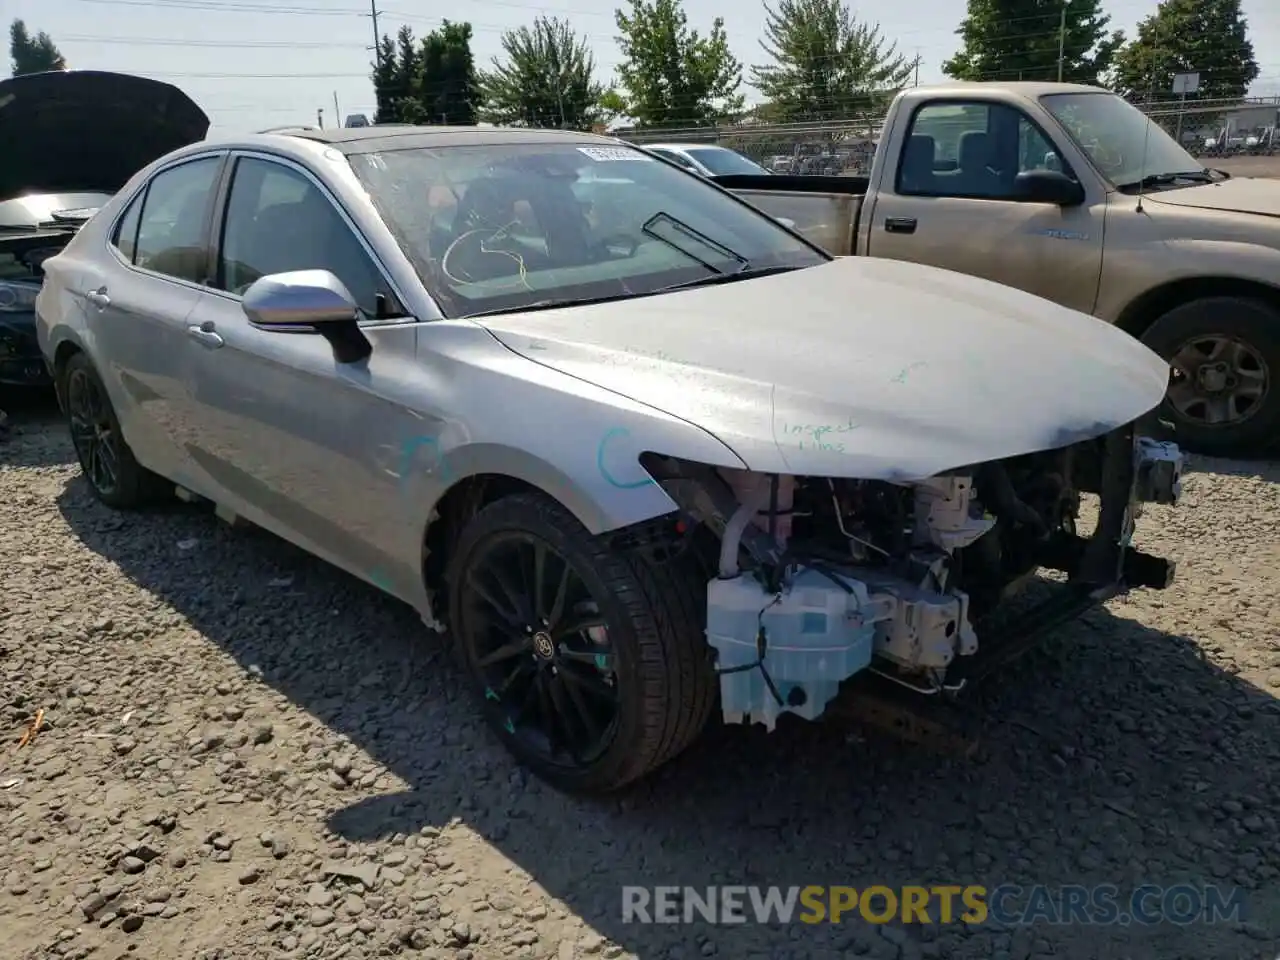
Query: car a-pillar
1222	340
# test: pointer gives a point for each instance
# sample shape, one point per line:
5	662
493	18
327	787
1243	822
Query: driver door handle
98	298
900	224
205	335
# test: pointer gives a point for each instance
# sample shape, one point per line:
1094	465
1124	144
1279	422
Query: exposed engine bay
819	579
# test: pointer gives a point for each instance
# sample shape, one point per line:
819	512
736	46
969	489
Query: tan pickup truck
1071	193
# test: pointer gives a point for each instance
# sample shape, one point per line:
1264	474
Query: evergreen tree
546	81
671	75
1019	40
32	54
1209	37
827	64
448	93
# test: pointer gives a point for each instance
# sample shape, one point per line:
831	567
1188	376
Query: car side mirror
309	301
1048	186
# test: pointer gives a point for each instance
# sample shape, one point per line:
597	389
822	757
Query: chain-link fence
846	146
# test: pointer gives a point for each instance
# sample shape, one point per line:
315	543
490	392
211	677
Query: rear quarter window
125	236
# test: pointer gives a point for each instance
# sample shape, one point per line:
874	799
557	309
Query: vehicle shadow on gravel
1115	754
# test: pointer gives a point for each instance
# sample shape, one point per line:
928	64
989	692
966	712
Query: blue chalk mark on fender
380	580
409	449
604	471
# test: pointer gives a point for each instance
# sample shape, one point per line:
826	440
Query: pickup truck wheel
1225	353
590	665
114	475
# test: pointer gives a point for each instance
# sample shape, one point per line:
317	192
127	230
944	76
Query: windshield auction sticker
606	154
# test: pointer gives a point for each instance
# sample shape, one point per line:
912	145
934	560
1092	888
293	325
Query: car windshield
722	162
1124	145
514	225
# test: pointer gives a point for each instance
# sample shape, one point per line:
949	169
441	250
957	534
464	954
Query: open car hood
861	367
88	131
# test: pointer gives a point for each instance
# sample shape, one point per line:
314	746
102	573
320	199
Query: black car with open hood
70	140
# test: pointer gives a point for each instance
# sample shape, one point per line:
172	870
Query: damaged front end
822	579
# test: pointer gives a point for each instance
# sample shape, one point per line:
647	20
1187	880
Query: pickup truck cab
1071	193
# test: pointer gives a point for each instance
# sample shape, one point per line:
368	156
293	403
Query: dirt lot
247	754
1246	166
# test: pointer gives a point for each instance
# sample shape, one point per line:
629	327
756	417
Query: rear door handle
98	298
205	335
899	224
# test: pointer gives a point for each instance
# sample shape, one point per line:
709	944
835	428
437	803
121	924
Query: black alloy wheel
589	662
94	432
107	462
542	649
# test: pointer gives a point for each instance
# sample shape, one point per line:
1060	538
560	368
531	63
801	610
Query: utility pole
916	82
1062	37
373	12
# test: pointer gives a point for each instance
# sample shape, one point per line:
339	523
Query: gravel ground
1268	167
248	754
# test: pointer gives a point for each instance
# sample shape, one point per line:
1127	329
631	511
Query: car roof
685	146
356	140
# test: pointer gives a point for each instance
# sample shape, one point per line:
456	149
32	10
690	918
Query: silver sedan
642	451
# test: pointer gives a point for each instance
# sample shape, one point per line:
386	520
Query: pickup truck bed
824	209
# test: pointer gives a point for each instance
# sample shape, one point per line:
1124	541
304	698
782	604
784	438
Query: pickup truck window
1122	143
972	150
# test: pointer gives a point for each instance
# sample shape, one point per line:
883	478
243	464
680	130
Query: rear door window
173	231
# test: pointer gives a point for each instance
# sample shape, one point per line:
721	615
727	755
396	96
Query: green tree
385	79
612	106
1209	37
32	54
397	79
827	64
547	80
1019	40
671	75
448	92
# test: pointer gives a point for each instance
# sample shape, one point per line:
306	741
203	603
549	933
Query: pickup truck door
948	202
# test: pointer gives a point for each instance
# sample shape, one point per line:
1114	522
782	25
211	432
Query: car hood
867	368
1237	195
88	130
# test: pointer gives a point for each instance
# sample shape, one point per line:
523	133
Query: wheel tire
655	618
135	485
1250	321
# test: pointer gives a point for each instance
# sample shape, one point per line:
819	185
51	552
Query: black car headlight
18	297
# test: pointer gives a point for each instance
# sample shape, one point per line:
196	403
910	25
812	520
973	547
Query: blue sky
260	63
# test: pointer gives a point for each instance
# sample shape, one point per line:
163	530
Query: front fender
1131	276
594	472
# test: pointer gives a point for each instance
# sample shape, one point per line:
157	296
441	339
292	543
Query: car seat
917	174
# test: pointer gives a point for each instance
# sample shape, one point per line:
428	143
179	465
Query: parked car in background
1072	193
70	140
708	160
639	449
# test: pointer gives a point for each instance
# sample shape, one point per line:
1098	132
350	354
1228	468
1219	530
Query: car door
139	296
950	204
292	439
